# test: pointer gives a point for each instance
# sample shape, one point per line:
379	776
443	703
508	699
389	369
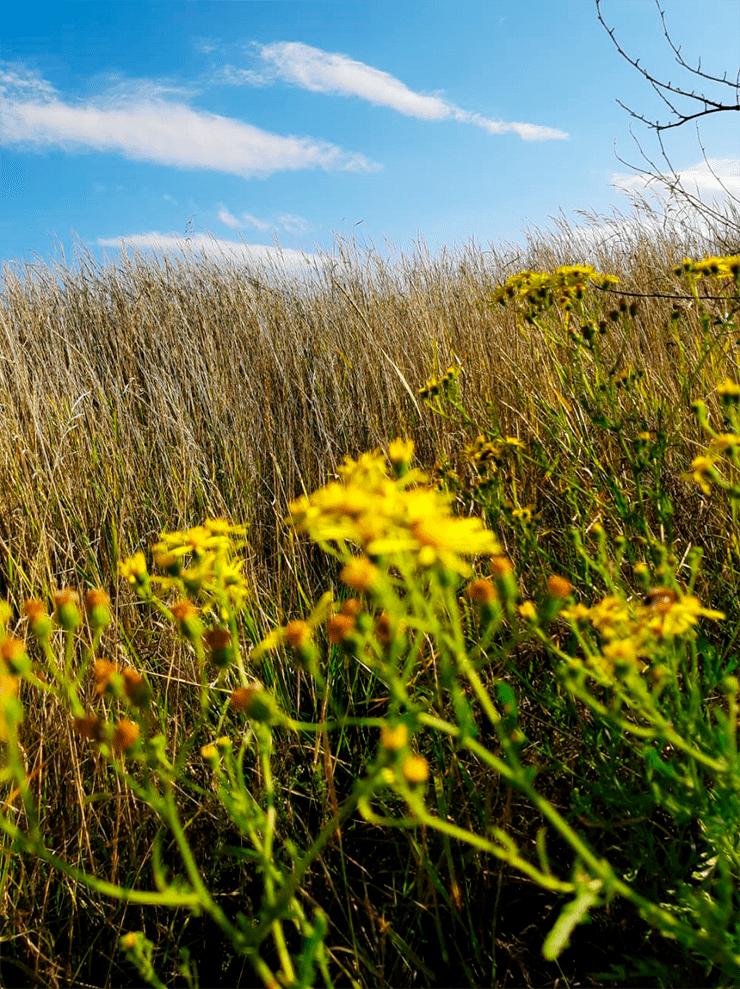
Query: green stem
203	897
169	898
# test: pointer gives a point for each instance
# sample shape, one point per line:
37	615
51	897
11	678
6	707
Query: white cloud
711	179
659	208
228	219
331	72
253	221
292	224
327	72
213	248
284	221
144	125
229	75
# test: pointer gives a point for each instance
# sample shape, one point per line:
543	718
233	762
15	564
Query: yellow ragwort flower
133	569
394	738
702	473
415	769
677	615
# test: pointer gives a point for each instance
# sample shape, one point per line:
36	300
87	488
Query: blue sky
391	121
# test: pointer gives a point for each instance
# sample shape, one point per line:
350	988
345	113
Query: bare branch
679	58
721	216
708	104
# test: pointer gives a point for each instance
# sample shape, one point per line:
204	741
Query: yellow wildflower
675	617
394	738
577	613
133	569
623	653
527	611
702	473
401	452
8	692
611	616
415	769
729	392
725	443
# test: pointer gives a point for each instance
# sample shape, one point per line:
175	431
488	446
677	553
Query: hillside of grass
432	763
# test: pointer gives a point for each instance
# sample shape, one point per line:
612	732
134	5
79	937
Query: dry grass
148	395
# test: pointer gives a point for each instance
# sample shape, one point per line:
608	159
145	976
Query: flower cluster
387	516
442	385
633	632
724	448
201	560
541	289
724	267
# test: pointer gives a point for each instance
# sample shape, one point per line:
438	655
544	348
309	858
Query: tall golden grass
145	395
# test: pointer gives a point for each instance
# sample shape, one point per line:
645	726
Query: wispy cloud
660	208
284	221
331	72
214	248
145	125
713	179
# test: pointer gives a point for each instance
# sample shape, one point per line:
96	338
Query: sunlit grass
467	643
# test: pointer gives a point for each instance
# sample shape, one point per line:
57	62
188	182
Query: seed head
501	567
220	646
96	606
90	727
134	686
257	703
103	671
384	629
13	654
186	615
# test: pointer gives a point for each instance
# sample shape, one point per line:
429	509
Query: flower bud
257	703
96	606
220	646
66	612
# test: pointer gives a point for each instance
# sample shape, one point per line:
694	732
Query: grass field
459	711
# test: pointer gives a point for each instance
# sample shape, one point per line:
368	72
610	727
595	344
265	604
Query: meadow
377	628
